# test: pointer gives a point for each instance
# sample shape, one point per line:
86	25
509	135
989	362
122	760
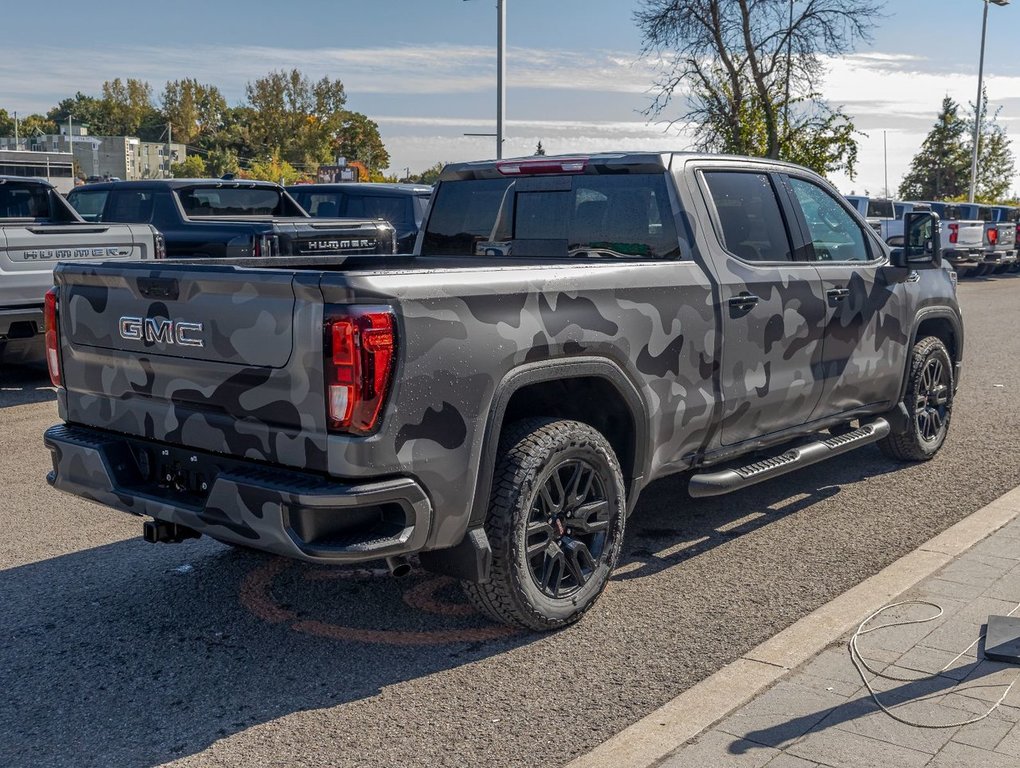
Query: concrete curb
655	736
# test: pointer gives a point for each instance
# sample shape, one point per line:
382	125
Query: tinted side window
89	204
319	204
835	235
880	209
753	228
395	210
129	206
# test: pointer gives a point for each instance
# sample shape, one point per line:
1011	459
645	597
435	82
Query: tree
996	162
37	125
220	162
193	110
941	168
6	123
429	176
193	167
358	139
296	118
748	72
539	150
272	169
127	104
84	110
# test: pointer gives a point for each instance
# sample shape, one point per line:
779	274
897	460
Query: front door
866	331
771	308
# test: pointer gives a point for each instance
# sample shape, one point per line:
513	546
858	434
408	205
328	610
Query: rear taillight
160	247
993	236
954	233
51	318
359	345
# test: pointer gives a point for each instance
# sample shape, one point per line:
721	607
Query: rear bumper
295	514
21	322
962	257
1000	256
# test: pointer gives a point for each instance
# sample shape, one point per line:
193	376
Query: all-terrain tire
542	462
929	403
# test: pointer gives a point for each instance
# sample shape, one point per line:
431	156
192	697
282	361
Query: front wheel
555	523
929	403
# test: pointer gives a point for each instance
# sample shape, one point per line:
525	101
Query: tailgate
327	237
213	358
971	234
29	251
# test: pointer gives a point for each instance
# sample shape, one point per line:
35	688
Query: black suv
228	218
402	205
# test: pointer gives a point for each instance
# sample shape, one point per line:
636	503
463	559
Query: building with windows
105	157
56	167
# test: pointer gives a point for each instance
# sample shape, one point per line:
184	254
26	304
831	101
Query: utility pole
789	63
70	139
169	141
885	149
17	141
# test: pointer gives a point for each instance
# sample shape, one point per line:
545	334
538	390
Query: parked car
963	239
402	205
229	218
37	229
567	331
1000	236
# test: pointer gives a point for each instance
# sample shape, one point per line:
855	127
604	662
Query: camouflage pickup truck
567	331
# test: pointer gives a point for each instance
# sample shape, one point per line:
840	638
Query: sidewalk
821	714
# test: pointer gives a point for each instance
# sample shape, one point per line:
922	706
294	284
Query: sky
425	70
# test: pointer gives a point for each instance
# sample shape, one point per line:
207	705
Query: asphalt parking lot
114	652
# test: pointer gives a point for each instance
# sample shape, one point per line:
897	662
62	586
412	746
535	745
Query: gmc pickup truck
229	218
568	330
1000	247
37	229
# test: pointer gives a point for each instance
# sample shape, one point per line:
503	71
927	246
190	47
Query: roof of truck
180	183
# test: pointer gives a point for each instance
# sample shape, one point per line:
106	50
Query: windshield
230	201
625	216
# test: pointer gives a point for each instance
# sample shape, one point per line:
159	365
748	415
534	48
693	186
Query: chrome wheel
933	397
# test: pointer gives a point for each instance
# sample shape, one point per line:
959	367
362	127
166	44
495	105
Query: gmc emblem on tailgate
162	330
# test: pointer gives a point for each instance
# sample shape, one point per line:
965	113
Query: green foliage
539	150
286	116
193	110
941	168
357	138
193	167
429	176
273	169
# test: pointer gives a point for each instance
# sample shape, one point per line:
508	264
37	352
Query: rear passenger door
771	306
863	355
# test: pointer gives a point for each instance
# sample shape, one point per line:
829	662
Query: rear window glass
1008	214
129	206
880	209
323	205
228	201
947	212
625	216
24	201
753	228
395	210
89	204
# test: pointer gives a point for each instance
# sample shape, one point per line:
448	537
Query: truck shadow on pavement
668	527
135	655
20	385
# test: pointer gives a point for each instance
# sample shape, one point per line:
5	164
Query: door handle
743	301
837	294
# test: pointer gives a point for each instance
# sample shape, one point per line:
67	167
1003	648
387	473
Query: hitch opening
157	531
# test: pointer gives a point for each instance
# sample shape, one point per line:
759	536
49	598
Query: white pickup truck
38	228
963	237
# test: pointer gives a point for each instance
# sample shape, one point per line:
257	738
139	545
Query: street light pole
500	77
980	102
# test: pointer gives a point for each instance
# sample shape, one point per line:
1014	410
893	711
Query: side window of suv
835	235
129	206
752	224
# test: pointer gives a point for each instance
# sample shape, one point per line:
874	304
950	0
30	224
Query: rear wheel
929	404
555	523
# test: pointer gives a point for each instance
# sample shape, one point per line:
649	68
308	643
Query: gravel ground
114	652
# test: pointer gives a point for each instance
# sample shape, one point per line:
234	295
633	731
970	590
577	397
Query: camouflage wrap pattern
710	375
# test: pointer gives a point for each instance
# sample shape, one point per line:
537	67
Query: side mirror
922	241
